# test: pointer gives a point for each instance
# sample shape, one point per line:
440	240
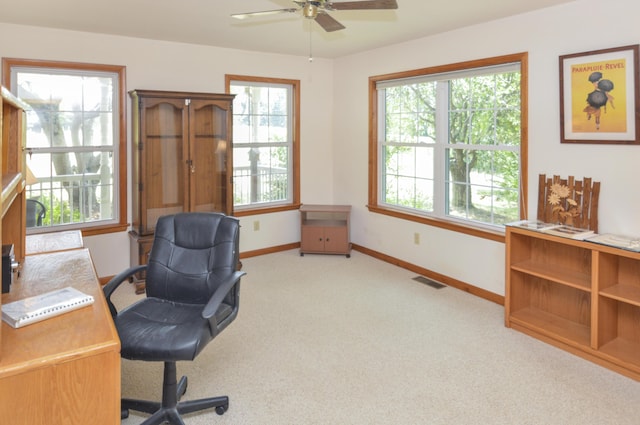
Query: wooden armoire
181	159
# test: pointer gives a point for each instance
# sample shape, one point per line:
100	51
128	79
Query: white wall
335	128
182	67
580	26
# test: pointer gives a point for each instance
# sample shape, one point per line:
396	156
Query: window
448	144
75	143
265	144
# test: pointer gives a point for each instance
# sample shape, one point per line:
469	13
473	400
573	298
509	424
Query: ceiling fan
317	10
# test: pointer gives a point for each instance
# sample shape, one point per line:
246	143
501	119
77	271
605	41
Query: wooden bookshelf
12	200
577	295
13	165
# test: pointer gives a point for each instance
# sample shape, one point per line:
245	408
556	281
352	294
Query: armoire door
163	152
210	155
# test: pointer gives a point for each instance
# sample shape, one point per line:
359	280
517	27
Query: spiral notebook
40	307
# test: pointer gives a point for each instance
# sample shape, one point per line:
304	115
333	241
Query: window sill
265	210
86	231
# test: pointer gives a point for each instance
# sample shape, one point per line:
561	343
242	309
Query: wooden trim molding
266	210
449	281
271	250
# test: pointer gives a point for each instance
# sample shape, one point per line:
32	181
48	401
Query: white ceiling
208	22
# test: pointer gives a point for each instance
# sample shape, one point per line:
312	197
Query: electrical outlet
416	238
256	225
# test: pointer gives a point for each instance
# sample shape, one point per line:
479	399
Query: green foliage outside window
481	162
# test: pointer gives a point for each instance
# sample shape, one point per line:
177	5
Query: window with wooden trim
448	143
265	143
75	144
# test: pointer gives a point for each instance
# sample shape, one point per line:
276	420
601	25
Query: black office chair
36	211
193	288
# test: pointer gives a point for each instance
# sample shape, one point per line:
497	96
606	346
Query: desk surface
87	329
65	369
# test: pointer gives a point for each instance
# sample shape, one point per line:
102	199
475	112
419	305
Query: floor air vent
432	283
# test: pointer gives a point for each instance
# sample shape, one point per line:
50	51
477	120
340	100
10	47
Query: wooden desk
65	369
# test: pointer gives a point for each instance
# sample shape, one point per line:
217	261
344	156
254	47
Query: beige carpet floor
330	340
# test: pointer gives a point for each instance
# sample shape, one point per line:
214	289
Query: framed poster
599	97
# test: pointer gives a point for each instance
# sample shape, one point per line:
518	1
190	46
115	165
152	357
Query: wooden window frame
121	223
295	154
373	204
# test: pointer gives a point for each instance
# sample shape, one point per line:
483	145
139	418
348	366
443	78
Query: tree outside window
74	141
449	142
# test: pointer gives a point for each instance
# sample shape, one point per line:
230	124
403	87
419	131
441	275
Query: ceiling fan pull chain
310	47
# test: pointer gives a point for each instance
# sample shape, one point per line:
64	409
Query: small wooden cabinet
182	158
325	229
577	295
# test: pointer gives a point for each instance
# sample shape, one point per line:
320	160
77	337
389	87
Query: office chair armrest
218	296
116	281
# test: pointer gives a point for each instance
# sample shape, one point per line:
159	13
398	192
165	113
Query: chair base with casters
171	408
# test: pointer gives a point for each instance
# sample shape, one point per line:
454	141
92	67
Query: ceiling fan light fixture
317	10
310	11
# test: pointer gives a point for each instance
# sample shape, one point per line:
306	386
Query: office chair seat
161	330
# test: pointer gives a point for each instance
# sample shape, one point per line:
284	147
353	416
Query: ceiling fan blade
362	5
266	12
328	23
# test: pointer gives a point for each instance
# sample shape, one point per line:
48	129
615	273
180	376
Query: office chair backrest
36	212
191	254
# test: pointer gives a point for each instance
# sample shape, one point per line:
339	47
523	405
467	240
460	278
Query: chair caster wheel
124	413
221	409
182	387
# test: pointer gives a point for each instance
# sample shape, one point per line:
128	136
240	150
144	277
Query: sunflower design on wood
565	209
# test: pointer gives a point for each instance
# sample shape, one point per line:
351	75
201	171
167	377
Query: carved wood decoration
584	192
